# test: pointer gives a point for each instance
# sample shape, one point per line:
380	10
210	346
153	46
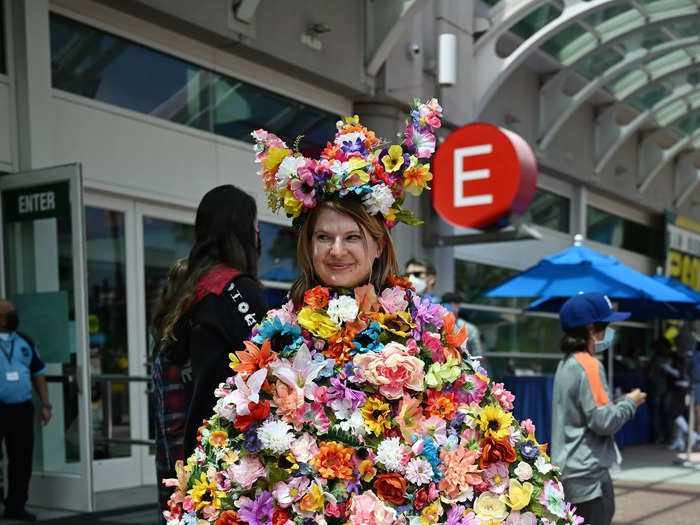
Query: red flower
258	411
316	297
495	450
280	516
229	517
391	487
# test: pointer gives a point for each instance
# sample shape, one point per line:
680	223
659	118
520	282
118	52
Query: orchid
299	373
247	391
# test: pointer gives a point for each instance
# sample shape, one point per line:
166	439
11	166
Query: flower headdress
355	163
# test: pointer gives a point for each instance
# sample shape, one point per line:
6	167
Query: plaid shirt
169	404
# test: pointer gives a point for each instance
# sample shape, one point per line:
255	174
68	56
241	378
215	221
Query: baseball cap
585	308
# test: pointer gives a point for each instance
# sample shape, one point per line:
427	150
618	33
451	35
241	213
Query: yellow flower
393	160
495	422
218	438
313	500
416	179
317	322
230	457
399	323
439	374
431	514
377	415
488	507
518	495
357	176
204	493
367	470
292	205
274	157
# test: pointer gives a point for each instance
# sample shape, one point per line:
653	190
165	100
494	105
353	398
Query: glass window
106	280
598	63
2	41
550	210
104	67
649	97
536	20
278	260
573	35
607	228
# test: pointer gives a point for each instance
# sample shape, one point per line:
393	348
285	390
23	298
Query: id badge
12	375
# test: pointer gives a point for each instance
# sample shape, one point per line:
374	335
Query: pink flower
473	389
423	140
436	428
430	113
303	187
188	504
523	471
496	475
247	471
321	394
392	370
304	448
517	518
433	343
393	300
366	298
504	397
368	509
287	493
528	426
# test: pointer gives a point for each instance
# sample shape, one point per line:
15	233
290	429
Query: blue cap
585	308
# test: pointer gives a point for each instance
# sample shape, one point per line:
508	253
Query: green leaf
335	433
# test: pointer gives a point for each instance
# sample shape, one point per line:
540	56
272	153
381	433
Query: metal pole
108	401
691	425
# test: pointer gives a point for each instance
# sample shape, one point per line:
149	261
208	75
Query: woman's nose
337	247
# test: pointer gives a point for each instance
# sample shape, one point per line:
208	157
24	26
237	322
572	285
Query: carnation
419	471
342	309
276	436
505	398
389	453
380	200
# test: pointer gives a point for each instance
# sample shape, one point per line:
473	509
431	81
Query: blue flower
367	340
529	449
251	442
350	147
329	364
284	338
430	452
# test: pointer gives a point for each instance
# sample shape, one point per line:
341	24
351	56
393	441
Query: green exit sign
36	202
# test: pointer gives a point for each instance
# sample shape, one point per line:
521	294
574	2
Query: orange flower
339	345
494	450
218	438
258	411
288	400
333	461
229	517
391	487
252	358
316	297
395	280
459	472
451	339
441	404
370	138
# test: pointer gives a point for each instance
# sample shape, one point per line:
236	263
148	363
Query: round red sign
480	173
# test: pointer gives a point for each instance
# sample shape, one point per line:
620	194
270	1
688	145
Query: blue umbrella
677	285
580	269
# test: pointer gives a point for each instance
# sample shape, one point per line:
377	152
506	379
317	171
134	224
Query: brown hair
372	224
576	339
166	301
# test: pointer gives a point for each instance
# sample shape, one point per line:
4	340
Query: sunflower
204	493
399	323
377	415
495	422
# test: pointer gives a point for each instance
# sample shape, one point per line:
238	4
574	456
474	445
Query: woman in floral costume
356	402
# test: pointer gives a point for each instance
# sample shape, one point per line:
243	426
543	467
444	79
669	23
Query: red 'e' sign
480	173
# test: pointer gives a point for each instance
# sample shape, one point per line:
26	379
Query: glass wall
278	260
97	65
550	210
3	61
607	228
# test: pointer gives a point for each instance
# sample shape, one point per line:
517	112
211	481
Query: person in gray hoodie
584	418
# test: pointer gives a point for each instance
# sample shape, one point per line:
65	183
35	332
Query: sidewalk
651	489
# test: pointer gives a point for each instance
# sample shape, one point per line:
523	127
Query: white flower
288	169
350	137
379	200
276	436
389	453
342	309
355	424
542	465
419	471
523	471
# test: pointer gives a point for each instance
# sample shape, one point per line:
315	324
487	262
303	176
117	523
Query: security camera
414	50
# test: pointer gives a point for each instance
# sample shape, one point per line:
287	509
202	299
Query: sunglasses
417	274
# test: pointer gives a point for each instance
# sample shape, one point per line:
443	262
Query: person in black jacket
220	299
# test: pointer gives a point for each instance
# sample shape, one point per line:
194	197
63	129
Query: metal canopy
640	56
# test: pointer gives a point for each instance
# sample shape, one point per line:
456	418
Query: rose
489	507
368	509
518	495
392	370
523	471
247	471
230	517
391	487
280	516
495	450
424	496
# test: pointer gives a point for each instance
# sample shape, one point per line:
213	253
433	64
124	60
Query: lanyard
12	351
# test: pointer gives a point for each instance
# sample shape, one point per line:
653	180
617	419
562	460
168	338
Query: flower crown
355	163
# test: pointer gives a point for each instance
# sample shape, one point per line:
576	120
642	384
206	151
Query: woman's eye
354	237
322	237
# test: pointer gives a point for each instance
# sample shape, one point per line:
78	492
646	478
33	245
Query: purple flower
529	449
339	390
357	147
456	516
258	511
425	311
251	442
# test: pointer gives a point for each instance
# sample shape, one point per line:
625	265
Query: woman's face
342	251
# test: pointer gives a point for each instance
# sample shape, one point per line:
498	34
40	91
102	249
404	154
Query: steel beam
686	177
653	159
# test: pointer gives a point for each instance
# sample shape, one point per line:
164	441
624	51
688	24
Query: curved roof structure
639	60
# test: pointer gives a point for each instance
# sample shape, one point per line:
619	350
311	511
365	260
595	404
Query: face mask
419	283
11	321
605	342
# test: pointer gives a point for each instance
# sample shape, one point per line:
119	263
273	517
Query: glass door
44	276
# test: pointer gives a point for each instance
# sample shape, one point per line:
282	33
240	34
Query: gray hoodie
583	423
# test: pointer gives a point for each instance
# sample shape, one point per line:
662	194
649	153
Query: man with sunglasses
422	275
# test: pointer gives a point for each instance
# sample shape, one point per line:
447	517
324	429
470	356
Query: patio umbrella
579	269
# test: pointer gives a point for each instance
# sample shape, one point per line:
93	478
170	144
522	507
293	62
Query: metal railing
106	381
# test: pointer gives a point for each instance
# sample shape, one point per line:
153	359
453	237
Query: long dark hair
224	236
373	224
166	301
576	339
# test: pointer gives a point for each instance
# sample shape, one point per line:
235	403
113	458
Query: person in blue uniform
20	367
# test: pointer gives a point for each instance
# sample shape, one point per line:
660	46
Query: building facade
116	117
